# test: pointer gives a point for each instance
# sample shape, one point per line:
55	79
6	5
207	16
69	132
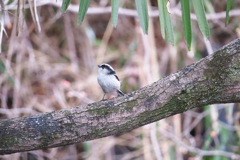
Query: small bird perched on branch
108	80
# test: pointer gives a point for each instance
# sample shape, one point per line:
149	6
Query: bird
108	80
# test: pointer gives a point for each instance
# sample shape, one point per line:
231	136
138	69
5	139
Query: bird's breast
109	83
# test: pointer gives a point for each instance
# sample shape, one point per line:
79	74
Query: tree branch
214	79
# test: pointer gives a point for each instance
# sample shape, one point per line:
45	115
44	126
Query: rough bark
214	79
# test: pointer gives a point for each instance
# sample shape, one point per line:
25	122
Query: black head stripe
107	67
111	72
103	66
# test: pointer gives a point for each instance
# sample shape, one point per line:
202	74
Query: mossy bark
214	79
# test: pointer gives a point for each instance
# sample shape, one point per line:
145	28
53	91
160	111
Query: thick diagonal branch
214	79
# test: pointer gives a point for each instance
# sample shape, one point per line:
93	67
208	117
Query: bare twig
33	9
20	15
71	42
196	150
1	23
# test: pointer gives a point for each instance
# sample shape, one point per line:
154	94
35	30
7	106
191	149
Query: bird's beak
98	66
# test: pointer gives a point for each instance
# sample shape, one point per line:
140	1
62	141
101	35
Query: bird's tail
120	93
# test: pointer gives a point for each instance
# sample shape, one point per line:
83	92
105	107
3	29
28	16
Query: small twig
71	42
229	127
20	17
2	23
198	119
33	9
196	150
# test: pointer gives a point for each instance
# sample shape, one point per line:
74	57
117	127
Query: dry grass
57	68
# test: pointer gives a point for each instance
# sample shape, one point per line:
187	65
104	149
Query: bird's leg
103	97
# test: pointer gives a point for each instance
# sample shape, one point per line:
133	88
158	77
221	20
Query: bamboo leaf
83	7
168	22
201	17
142	11
161	17
229	3
65	4
187	31
165	21
115	6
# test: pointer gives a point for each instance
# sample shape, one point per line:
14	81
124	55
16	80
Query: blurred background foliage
48	62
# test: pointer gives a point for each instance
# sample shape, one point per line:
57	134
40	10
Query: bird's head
105	69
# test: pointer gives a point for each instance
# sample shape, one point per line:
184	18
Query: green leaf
165	21
207	119
2	67
168	22
161	17
115	6
201	17
229	4
65	4
2	70
83	7
142	11
187	31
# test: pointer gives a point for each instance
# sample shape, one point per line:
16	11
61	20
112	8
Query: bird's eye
103	66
